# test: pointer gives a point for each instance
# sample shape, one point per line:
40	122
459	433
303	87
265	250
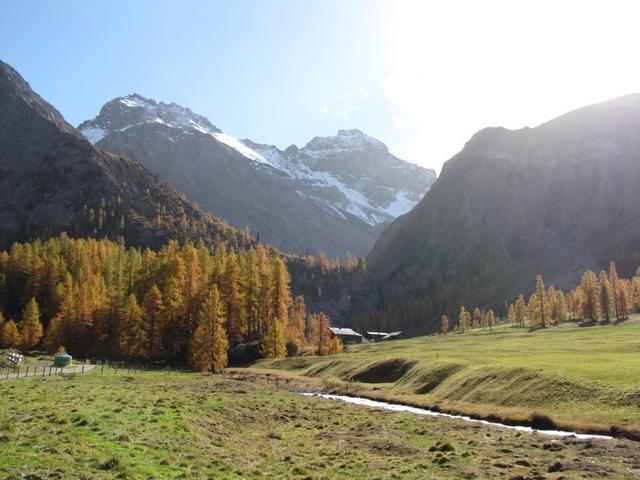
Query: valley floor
173	425
585	378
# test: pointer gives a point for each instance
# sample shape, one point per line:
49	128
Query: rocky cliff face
333	195
53	180
555	199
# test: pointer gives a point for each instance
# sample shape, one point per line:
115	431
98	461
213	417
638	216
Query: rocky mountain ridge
556	200
335	194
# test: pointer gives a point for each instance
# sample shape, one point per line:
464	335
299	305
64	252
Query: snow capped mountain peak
136	100
125	112
352	173
345	140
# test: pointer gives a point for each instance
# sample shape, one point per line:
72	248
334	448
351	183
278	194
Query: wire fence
8	372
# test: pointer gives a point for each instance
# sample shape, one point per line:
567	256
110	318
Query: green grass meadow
178	425
582	377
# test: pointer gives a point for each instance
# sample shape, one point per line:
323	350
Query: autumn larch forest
99	299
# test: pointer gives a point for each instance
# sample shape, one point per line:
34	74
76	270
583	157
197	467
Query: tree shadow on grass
618	322
535	328
588	323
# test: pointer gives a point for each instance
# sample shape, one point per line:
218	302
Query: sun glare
457	67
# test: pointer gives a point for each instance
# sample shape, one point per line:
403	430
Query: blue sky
273	71
420	76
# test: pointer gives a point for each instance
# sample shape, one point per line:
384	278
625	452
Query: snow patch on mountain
354	202
241	147
132	101
401	205
93	134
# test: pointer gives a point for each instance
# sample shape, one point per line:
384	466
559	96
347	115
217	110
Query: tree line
593	299
605	297
97	298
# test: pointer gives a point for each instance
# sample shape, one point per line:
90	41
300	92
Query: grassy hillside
162	425
582	377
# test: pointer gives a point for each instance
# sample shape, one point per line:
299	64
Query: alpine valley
184	297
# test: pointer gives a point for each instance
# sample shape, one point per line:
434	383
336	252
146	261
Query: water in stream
422	411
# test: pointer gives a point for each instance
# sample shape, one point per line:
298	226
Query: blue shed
62	360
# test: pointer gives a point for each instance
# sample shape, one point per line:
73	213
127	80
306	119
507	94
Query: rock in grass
554	467
442	447
110	464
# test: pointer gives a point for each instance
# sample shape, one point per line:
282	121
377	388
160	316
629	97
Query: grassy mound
385	371
428	380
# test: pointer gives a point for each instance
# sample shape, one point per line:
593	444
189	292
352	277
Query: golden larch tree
10	337
540	313
296	330
318	333
131	333
444	324
274	344
30	327
614	279
622	299
252	295
265	312
463	320
175	329
281	292
153	323
335	346
559	312
236	319
606	297
209	345
590	305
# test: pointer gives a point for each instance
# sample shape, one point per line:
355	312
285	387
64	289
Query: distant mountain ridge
556	200
335	194
53	180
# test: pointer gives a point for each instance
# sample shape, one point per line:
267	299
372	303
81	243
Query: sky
421	76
